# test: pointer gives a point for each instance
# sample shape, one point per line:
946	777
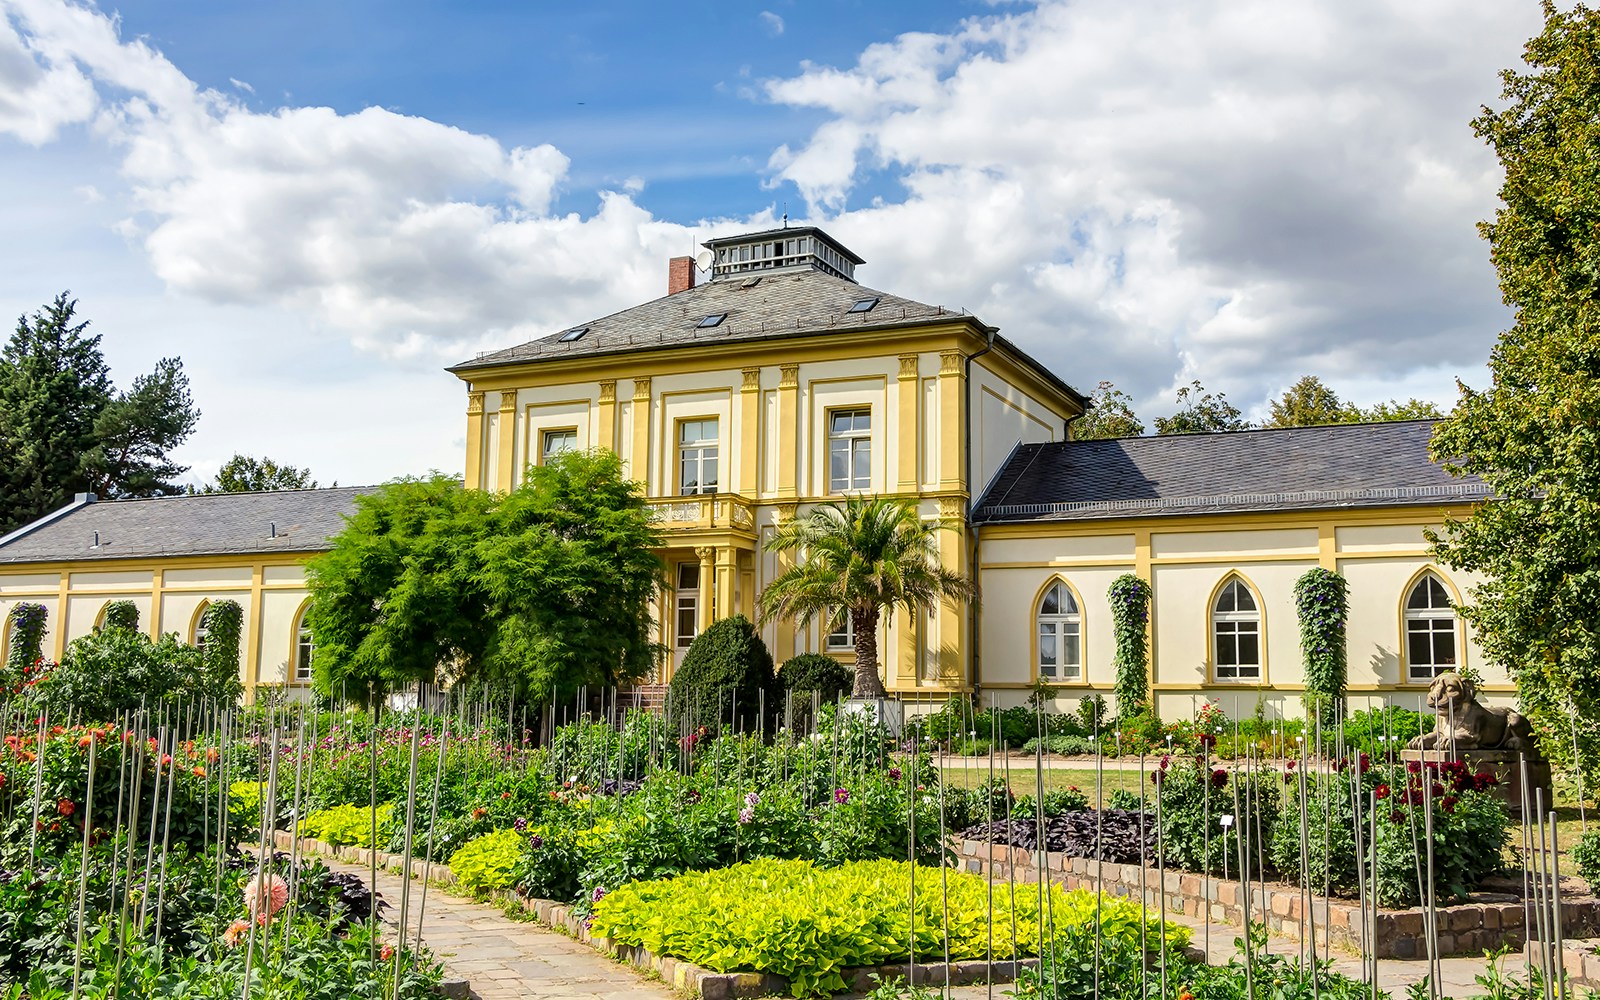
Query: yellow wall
1186	560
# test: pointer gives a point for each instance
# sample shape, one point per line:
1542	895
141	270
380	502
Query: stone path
503	958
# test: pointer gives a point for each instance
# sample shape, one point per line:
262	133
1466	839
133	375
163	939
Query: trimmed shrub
1321	597
801	676
724	676
1130	614
121	614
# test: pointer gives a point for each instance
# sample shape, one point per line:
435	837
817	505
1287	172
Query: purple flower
535	841
521	824
841	795
752	800
894	774
598	894
746	815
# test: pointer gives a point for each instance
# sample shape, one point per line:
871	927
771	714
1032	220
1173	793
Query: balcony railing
714	510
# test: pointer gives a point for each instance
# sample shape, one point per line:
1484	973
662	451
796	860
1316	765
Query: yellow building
780	383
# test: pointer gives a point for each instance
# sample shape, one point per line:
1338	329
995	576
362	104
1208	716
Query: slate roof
1302	468
214	524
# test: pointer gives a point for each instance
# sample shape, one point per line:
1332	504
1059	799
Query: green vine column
122	614
223	622
1130	616
1321	597
26	644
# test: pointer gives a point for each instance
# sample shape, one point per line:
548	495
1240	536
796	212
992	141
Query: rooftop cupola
803	247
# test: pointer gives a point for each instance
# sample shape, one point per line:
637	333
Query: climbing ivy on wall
1321	597
1130	613
223	622
121	614
27	635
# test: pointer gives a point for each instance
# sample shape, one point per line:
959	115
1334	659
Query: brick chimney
680	275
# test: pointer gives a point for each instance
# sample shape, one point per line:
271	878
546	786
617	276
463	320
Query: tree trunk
865	626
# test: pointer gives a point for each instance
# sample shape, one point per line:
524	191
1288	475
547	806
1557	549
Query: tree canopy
541	590
860	558
1534	433
1110	415
1201	412
245	474
66	429
1310	403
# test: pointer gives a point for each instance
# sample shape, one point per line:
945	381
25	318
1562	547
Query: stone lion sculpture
1463	724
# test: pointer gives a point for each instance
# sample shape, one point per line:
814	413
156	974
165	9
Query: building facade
780	383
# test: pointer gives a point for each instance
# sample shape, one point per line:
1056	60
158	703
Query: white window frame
1236	624
855	444
841	639
567	435
698	454
305	649
1058	627
198	634
685	600
1433	621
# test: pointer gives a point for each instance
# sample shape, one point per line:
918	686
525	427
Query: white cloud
1239	192
239	84
38	94
771	23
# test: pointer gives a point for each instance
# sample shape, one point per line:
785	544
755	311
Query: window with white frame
198	640
849	449
1060	626
553	443
686	605
305	648
1430	630
697	456
1236	633
843	636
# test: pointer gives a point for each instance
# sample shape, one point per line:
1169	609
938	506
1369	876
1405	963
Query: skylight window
712	320
863	305
571	335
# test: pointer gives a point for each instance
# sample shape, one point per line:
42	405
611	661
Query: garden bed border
677	973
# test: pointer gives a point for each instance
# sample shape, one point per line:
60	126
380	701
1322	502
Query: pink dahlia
266	894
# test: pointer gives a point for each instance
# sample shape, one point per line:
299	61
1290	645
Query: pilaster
750	435
606	419
708	574
639	463
784	561
508	442
788	434
910	429
474	471
953	421
953	618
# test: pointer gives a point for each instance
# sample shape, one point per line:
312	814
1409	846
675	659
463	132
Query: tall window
305	647
686	604
849	450
1236	633
198	629
697	456
1060	635
553	443
843	636
1430	630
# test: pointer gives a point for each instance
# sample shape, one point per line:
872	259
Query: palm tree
861	559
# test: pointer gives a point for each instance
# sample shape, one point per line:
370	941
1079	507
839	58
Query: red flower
385	953
479	813
66	807
1219	777
1449	803
1382	791
1291	764
1397	817
504	796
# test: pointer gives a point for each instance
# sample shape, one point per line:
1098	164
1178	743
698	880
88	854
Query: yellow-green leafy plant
807	923
487	862
341	825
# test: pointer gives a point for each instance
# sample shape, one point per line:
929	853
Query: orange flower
479	813
199	772
385	953
235	932
66	807
211	755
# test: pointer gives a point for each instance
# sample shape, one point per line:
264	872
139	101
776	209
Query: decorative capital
787	512
474	404
952	507
641	389
950	362
908	366
608	391
788	376
707	553
752	379
508	402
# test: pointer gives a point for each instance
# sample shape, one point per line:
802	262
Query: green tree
725	679
1201	412
54	384
861	558
1532	433
1394	409
1308	403
244	474
65	429
1110	415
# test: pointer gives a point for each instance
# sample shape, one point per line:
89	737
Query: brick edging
1467	929
678	973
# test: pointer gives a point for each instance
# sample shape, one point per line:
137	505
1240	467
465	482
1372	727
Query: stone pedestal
1505	765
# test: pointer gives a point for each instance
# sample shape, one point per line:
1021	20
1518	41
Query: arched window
197	626
305	646
1430	620
100	616
1236	633
1060	629
5	635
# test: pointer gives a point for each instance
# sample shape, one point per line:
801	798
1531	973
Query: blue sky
318	206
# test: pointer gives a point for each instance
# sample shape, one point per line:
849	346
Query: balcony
707	512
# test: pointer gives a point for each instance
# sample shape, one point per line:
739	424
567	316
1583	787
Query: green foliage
1382	731
1193	798
867	557
121	614
723	678
1200	412
219	660
1531	434
112	671
1130	614
817	672
1586	855
244	474
1321	598
137	430
345	824
543	590
1307	403
487	862
21	668
806	923
1110	415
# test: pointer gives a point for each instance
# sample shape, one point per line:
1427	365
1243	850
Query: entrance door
685	609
